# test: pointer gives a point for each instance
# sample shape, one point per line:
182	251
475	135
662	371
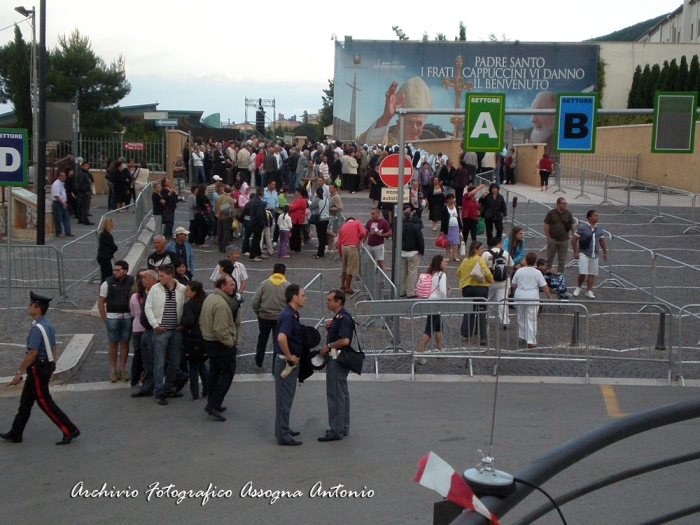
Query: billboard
372	78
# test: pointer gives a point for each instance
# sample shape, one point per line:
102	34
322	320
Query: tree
425	36
671	77
682	77
15	84
462	31
75	71
305	117
634	98
440	37
652	85
326	116
691	83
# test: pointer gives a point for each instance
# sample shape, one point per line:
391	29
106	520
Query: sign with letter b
576	122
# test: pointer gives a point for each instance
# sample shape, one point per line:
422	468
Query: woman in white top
439	291
284	221
527	282
198	163
140	176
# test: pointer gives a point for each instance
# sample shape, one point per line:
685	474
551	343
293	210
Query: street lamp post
39	166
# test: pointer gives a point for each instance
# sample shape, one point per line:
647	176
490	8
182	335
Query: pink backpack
424	287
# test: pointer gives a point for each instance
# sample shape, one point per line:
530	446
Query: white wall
622	58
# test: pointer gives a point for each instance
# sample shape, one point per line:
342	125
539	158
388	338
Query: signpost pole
9	261
398	234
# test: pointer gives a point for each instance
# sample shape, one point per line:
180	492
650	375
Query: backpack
499	266
424	287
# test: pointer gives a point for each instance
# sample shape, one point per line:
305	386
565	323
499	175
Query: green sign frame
484	117
675	116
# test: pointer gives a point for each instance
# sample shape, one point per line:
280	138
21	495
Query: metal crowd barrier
636	196
33	267
688	344
78	261
587	336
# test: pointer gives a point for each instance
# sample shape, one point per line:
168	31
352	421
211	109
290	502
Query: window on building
691	31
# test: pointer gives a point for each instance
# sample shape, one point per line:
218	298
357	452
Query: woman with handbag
451	227
470	212
474	279
436	200
433	325
319	218
495	212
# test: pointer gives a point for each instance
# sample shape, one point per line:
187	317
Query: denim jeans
198	368
61	219
167	345
146	344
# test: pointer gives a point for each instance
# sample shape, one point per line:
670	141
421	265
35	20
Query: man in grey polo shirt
587	244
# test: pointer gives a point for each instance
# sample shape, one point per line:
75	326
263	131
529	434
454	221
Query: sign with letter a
13	157
484	122
576	122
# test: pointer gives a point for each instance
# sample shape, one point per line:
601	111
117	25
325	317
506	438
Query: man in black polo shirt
113	305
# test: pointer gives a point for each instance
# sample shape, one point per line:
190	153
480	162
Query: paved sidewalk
130	444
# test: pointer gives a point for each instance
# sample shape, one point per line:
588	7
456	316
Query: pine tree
15	59
633	99
682	77
691	81
670	80
646	87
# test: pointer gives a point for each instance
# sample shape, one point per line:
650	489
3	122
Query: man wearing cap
182	249
287	351
113	304
39	364
340	332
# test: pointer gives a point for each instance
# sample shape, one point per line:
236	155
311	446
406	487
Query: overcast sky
210	57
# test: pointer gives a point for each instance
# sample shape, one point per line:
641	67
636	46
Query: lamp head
24	11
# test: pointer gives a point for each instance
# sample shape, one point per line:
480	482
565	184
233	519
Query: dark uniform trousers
36	389
338	397
285	390
222	368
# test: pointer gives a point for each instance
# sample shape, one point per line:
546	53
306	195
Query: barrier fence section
596	339
677	283
33	267
630	266
636	196
688	344
78	261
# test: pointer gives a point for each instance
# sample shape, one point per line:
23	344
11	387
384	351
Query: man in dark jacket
83	184
413	248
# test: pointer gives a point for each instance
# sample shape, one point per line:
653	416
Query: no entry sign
389	171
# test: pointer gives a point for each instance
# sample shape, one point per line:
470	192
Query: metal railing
664	203
537	473
33	267
688	343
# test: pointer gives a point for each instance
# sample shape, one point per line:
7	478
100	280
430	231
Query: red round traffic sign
389	170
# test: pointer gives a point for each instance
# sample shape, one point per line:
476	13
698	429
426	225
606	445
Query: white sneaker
590	295
577	291
422	361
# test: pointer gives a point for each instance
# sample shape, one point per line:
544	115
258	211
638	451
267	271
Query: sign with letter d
484	122
576	122
13	157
